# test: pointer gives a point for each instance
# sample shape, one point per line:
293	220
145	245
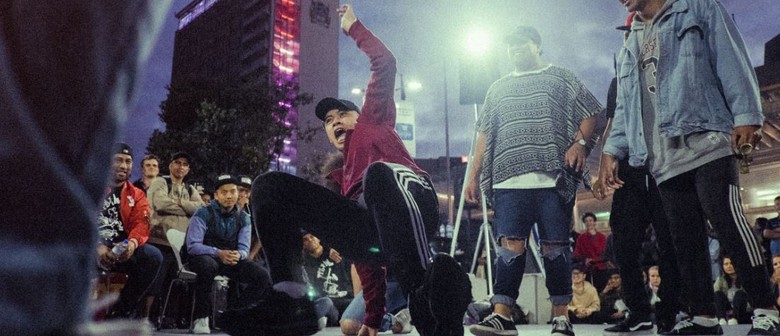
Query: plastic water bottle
119	248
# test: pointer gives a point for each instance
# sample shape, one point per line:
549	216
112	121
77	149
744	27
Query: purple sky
425	38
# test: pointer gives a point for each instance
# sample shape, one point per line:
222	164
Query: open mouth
339	133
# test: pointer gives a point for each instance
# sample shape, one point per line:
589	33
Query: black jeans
711	192
245	272
738	308
400	212
142	269
168	270
635	207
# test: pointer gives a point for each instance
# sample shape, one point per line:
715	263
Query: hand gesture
229	258
608	172
367	331
105	258
473	191
347	17
334	255
129	250
599	190
582	312
575	157
745	138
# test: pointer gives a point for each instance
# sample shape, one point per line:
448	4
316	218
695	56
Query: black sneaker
422	317
275	314
664	326
494	325
633	324
561	327
688	327
449	294
764	325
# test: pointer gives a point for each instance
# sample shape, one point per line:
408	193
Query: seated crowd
221	240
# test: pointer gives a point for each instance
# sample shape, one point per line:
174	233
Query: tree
227	127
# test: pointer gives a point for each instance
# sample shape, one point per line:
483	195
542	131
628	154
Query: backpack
187	185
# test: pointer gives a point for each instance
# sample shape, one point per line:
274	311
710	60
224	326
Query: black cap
245	181
330	103
524	32
123	148
223	180
181	155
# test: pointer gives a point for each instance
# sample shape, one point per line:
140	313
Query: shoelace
560	324
763	322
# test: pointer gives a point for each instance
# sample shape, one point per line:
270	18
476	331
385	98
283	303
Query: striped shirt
529	121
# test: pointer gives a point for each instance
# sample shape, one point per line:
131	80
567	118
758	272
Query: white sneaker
201	326
722	321
322	322
402	322
732	321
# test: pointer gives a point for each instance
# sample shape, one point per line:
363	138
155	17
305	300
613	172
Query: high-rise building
289	40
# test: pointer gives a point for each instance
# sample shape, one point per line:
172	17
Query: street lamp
412	86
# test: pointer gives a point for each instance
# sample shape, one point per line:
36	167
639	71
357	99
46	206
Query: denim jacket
704	79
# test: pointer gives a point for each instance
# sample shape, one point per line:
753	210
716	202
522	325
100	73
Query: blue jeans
774	246
516	211
395	300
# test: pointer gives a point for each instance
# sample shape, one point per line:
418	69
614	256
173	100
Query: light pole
478	44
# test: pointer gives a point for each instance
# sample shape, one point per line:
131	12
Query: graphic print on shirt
109	224
650	61
330	280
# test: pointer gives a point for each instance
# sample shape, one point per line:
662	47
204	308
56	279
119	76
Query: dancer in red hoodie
386	210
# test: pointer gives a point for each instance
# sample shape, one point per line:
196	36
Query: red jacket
134	213
373	139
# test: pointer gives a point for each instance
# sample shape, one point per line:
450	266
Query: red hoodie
373	139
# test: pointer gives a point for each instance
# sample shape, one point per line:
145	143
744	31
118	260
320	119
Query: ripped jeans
516	211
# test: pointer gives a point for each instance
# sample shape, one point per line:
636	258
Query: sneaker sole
479	330
645	328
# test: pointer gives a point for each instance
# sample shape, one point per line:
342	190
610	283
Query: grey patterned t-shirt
529	121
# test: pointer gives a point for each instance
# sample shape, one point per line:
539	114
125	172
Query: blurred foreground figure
67	72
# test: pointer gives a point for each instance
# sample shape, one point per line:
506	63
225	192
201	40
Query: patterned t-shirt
530	120
110	228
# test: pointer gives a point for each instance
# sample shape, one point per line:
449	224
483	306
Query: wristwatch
582	142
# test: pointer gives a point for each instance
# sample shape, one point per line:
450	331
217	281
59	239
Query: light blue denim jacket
705	80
